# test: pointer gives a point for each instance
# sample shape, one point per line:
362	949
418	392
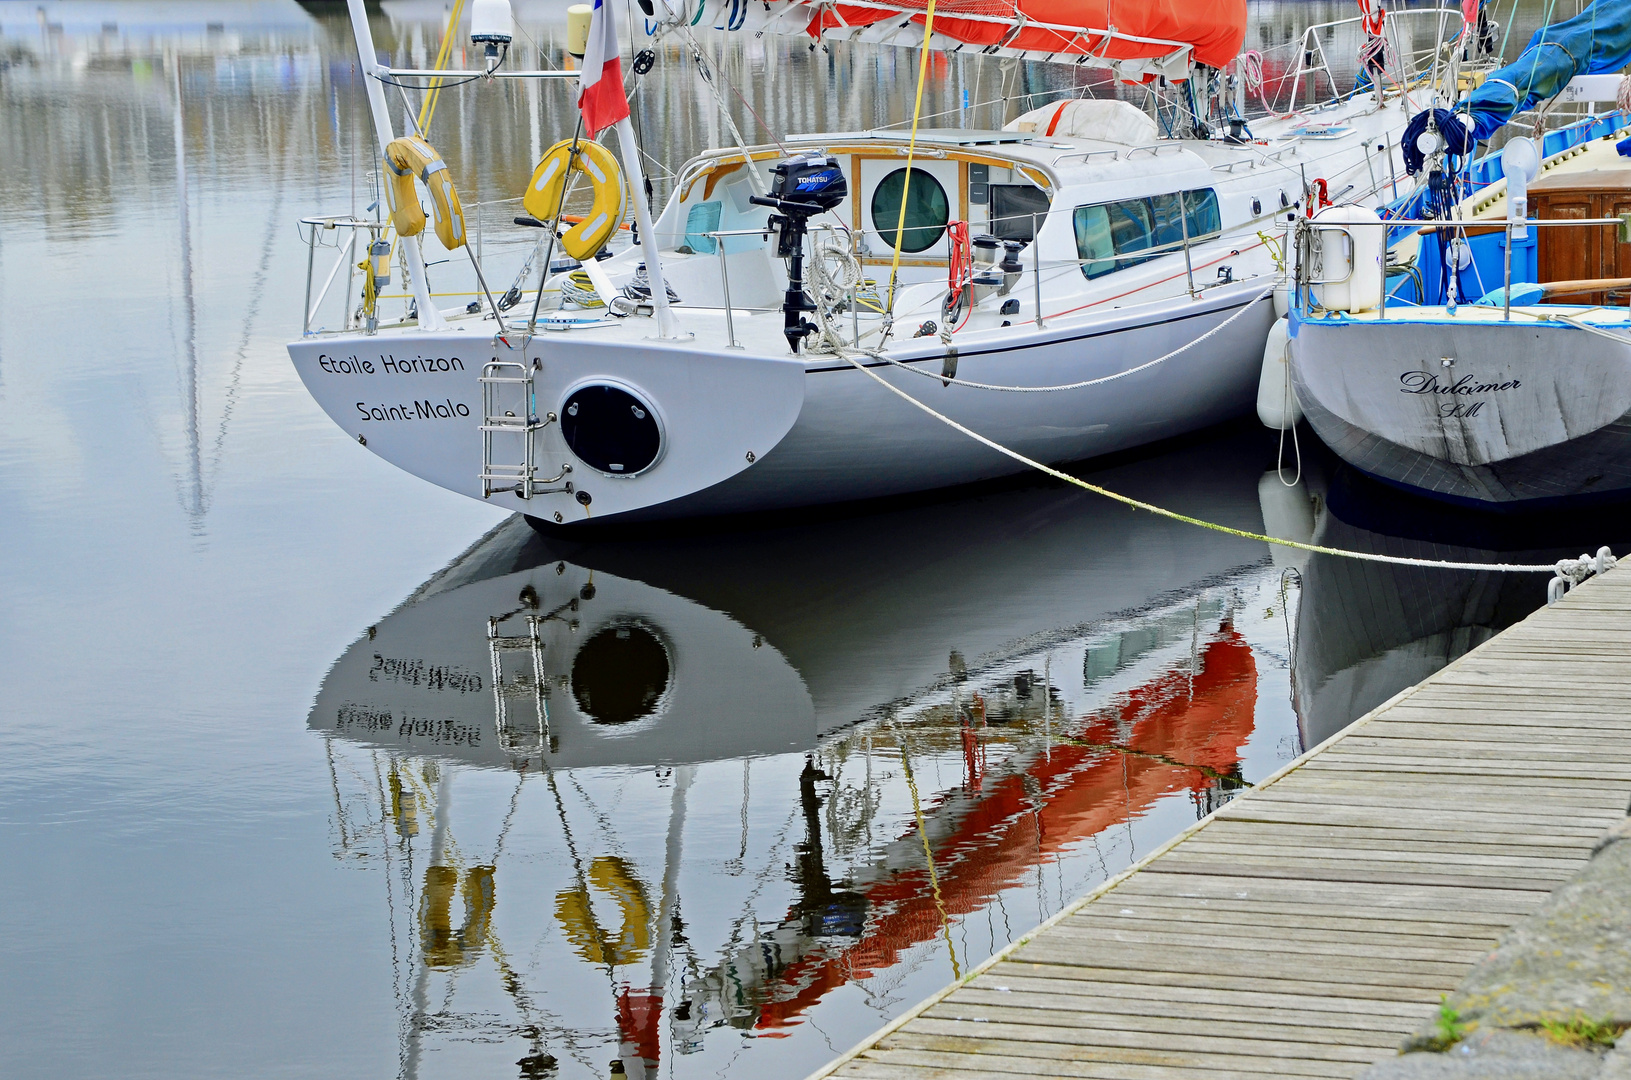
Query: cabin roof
1611	179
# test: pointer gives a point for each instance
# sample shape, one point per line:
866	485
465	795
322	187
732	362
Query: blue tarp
1595	41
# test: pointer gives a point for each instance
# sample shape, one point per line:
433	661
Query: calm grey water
291	791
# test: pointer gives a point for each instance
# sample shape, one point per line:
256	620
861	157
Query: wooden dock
1311	924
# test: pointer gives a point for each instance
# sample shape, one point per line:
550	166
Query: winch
802	186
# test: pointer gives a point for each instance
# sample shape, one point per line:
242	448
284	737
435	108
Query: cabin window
927	210
1016	209
702	219
1094	245
1114	236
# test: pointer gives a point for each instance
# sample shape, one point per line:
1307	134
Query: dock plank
1305	928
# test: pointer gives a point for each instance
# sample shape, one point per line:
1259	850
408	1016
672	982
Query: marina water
316	769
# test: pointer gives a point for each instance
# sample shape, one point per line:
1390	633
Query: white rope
1570	570
904	366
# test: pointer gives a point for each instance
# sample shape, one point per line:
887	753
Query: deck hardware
510	382
532	643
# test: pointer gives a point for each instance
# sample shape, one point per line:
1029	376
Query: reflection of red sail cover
1204	721
1216	28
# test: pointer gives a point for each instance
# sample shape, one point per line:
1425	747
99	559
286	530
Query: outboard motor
803	186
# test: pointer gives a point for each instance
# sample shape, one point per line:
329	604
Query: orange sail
1108	31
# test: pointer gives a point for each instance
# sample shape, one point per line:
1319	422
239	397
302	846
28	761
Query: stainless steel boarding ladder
511	739
509	407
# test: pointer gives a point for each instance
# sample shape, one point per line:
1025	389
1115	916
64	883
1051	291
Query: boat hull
747	433
1475	410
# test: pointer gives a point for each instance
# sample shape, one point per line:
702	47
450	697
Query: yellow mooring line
1560	567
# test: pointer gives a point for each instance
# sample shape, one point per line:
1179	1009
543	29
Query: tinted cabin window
702	219
1012	210
927	210
1204	219
1093	244
1114	236
1132	227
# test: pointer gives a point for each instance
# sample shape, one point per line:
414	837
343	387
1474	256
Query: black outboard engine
804	186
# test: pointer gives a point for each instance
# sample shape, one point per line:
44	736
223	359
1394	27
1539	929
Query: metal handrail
1310	42
346	254
1507	225
421	73
1495	223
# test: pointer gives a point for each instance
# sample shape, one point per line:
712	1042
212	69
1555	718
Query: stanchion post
1036	267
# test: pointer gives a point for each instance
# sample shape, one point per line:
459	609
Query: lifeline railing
347	253
1308	255
1311	44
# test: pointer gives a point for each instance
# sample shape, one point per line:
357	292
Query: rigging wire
911	153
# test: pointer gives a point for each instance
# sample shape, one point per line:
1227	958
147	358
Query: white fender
1288	514
1276	398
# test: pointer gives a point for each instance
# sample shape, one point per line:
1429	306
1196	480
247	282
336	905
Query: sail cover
1139	39
1595	41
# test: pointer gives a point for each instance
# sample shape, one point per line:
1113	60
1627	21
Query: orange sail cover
1162	34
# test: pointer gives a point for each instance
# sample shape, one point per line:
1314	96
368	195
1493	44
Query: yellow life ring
574	908
412	156
545	194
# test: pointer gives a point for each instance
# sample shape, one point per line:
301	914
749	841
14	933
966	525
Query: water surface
314	769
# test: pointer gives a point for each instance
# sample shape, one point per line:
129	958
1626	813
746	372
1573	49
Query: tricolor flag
600	83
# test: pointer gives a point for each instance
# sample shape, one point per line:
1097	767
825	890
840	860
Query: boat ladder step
510	422
515	737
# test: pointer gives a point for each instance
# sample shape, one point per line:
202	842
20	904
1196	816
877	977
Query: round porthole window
620	674
927	210
611	429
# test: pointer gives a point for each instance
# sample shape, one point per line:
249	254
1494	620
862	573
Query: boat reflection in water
1365	630
750	794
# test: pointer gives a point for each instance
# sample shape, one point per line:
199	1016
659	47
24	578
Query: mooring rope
904	366
1572	570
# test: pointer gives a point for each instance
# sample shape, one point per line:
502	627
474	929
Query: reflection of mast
821	908
639	1015
193	497
421	983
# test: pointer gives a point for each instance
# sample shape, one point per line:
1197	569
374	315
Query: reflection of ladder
508	407
509	738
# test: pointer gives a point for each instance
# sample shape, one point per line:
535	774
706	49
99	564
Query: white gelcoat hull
818	431
1524	413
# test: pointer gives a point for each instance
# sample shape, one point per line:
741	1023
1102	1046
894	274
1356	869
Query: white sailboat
753	829
1495	369
1116	261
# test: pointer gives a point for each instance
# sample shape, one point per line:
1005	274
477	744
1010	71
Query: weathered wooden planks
1305	928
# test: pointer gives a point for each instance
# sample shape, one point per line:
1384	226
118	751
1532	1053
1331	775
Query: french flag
600	83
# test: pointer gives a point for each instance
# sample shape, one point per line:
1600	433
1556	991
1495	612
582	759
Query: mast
429	317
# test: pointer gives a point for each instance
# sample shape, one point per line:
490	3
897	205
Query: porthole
927	210
611	429
621	674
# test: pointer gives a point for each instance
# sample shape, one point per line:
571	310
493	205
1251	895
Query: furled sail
1595	41
1138	39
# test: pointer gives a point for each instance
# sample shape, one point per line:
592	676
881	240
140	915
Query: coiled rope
1571	570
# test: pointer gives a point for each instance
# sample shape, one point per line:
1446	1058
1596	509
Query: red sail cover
1214	28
